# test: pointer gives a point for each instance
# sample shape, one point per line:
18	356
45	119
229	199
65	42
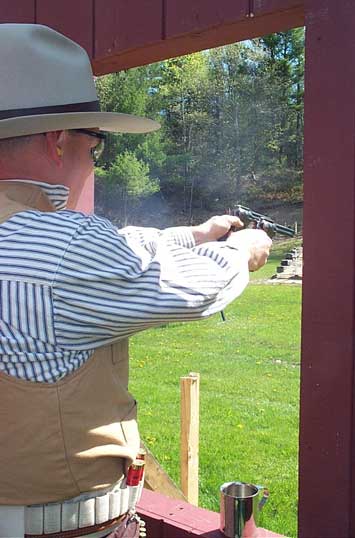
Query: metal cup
240	505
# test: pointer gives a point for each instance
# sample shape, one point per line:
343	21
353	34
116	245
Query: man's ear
55	146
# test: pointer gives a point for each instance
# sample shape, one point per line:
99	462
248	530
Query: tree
182	91
126	182
283	70
123	177
232	126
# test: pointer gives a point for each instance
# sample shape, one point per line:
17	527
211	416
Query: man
72	287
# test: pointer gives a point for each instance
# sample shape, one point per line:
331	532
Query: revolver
252	219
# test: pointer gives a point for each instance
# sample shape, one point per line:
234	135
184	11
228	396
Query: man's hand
215	228
255	242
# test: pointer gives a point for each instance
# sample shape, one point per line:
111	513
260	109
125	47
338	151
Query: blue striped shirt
70	283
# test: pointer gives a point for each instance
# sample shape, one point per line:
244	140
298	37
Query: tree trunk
237	151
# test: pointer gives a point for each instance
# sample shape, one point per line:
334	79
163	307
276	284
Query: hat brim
106	121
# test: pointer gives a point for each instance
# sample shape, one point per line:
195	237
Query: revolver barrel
252	219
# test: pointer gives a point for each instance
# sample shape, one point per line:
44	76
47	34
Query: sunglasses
97	151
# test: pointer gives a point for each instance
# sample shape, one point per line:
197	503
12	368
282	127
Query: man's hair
8	145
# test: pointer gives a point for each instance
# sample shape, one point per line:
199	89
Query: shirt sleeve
149	238
112	283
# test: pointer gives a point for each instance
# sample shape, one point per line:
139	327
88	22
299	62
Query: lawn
249	393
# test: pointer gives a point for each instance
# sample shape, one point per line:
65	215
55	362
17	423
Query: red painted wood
17	11
168	518
200	38
73	19
327	445
263	7
120	34
198	15
122	24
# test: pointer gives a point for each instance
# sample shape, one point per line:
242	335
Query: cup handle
264	498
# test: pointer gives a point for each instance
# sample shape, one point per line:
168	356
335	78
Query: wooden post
189	436
327	427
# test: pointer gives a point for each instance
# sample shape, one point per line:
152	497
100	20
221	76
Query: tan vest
76	435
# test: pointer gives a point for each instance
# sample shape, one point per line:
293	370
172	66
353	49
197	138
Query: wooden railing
169	518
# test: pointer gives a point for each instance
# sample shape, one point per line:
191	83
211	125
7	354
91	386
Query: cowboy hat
46	84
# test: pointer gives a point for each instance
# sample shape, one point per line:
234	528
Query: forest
231	132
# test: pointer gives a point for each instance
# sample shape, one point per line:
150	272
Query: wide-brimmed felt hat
46	84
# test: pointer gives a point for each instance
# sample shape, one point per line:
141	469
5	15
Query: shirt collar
57	194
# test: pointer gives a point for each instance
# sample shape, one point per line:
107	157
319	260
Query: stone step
291	266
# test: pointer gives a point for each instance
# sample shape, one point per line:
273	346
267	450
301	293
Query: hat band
89	106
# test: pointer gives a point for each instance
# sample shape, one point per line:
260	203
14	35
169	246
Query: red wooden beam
264	7
188	26
76	23
18	11
195	16
122	25
118	34
327	444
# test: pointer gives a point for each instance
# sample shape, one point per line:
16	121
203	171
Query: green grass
249	394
